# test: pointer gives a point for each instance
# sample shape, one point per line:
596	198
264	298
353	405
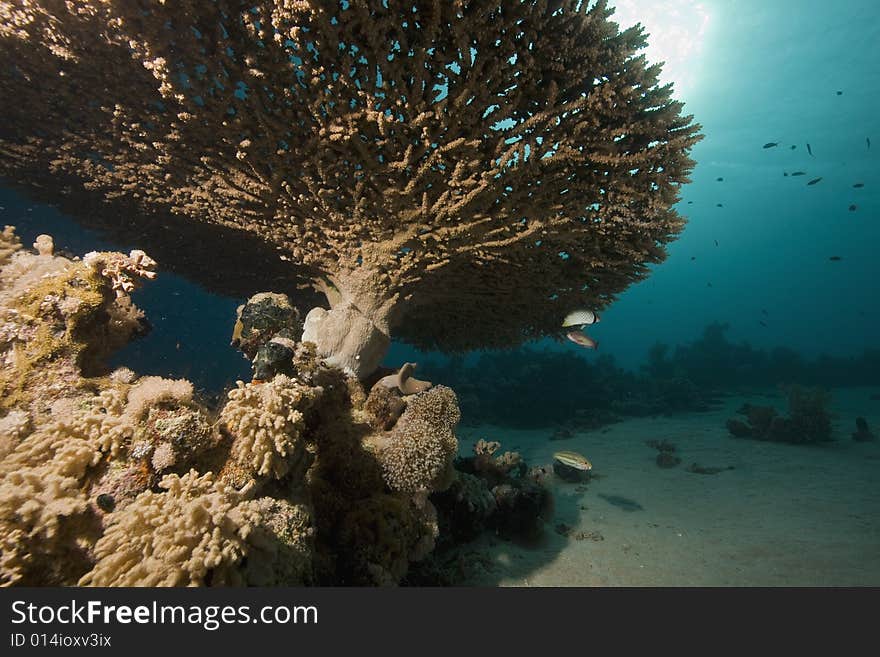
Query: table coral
420	162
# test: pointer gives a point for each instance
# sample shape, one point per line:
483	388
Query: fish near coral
580	318
571	466
582	339
771	144
814	181
573	460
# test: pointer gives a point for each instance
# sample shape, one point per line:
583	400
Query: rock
667	460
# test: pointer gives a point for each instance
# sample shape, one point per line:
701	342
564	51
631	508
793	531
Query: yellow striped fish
573	460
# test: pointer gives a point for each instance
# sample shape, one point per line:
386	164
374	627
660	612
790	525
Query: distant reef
304	475
552	387
713	360
808	420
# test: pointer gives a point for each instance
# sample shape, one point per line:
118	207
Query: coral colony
436	170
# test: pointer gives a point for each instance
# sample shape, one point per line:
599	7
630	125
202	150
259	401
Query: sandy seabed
785	515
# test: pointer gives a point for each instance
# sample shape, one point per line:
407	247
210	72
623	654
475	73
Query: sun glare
676	32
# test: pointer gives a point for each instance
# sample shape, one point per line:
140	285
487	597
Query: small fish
693	257
809	150
690	202
793	147
719	179
573	460
856	186
708	284
582	339
785	173
580	318
716	242
853	207
799	173
814	181
868	142
839	93
718	205
771	144
835	258
762	323
764	310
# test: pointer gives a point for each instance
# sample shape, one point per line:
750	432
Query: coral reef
428	178
713	361
585	393
522	503
107	478
808	420
191	533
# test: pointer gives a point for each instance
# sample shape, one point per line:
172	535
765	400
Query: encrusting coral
423	162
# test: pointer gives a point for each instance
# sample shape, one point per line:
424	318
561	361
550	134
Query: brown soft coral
44	512
379	538
193	532
416	455
267	421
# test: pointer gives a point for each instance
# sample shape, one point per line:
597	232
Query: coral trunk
355	333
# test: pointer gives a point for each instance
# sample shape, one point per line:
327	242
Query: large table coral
422	162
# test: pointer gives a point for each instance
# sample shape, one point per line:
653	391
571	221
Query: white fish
580	318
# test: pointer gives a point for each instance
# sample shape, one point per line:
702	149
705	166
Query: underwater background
773	282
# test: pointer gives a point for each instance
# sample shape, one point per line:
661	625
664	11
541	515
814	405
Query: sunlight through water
677	31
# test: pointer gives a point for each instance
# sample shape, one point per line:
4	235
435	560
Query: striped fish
573	460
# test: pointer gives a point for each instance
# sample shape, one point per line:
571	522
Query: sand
785	515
